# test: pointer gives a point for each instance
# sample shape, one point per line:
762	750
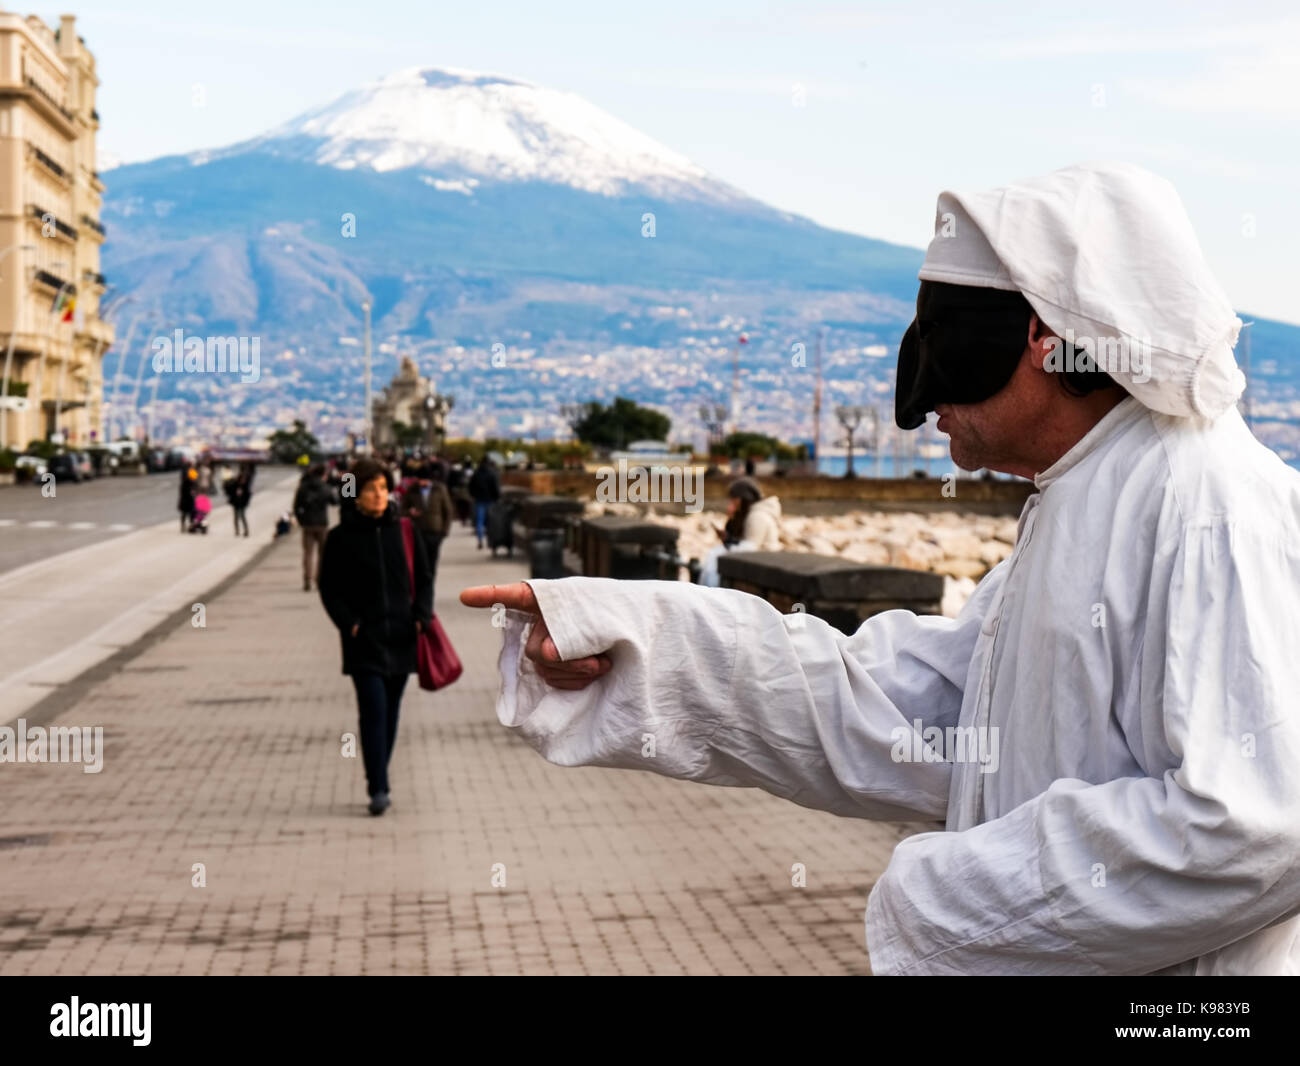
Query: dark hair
1086	377
365	470
745	490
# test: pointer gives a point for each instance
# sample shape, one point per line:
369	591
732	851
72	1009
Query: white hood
1105	250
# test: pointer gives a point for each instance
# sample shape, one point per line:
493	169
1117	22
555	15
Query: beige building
50	234
410	400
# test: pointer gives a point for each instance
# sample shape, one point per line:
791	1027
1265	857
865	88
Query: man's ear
1041	341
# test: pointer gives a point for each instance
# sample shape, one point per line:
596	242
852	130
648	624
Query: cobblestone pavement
223	748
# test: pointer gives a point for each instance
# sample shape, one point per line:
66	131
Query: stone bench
840	592
613	546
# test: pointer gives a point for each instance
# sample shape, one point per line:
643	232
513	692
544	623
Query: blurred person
311	504
366	588
430	510
239	493
485	490
185	503
458	488
753	524
1109	729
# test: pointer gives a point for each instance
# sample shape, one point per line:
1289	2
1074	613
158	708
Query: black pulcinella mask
962	347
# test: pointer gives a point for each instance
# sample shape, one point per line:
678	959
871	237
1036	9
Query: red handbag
436	660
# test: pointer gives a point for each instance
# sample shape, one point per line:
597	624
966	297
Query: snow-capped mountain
474	127
477	212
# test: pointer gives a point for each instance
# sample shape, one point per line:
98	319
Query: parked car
32	463
86	464
65	467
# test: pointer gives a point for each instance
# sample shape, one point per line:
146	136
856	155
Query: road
34	526
82	580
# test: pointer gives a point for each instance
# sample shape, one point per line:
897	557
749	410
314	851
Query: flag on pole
64	305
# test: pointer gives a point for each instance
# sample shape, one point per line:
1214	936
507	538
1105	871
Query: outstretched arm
715	685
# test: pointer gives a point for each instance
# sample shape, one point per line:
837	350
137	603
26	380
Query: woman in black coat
365	586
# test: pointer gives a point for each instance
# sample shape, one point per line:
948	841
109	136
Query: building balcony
48	163
94	278
60	226
47	105
33	84
52	281
94	224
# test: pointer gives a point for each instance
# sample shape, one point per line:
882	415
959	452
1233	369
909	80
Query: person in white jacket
753	524
1124	796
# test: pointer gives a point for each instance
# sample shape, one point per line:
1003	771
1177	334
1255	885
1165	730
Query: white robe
1137	654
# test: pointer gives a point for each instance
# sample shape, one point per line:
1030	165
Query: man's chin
964	460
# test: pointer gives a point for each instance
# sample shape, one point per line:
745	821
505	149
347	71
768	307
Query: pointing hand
573	674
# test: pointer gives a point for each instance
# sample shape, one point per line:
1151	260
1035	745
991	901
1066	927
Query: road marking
48	523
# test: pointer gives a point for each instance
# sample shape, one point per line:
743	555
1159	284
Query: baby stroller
199	516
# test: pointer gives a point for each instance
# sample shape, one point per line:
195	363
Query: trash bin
546	554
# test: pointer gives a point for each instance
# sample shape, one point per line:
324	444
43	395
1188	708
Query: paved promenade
223	748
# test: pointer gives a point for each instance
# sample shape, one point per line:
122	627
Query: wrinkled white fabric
1105	250
1136	653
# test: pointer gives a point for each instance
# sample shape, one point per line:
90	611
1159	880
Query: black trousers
240	516
379	699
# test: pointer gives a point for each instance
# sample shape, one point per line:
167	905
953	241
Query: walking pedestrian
458	486
311	509
485	490
366	588
428	505
239	492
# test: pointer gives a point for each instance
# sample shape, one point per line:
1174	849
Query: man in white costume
1136	652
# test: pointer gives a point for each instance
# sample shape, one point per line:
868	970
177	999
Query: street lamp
714	417
9	355
152	317
105	412
850	417
365	306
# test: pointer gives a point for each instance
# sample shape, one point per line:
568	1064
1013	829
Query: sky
853	115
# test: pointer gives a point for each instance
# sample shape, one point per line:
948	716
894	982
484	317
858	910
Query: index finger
517	596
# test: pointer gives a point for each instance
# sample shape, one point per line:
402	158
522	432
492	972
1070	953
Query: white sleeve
1137	874
715	685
